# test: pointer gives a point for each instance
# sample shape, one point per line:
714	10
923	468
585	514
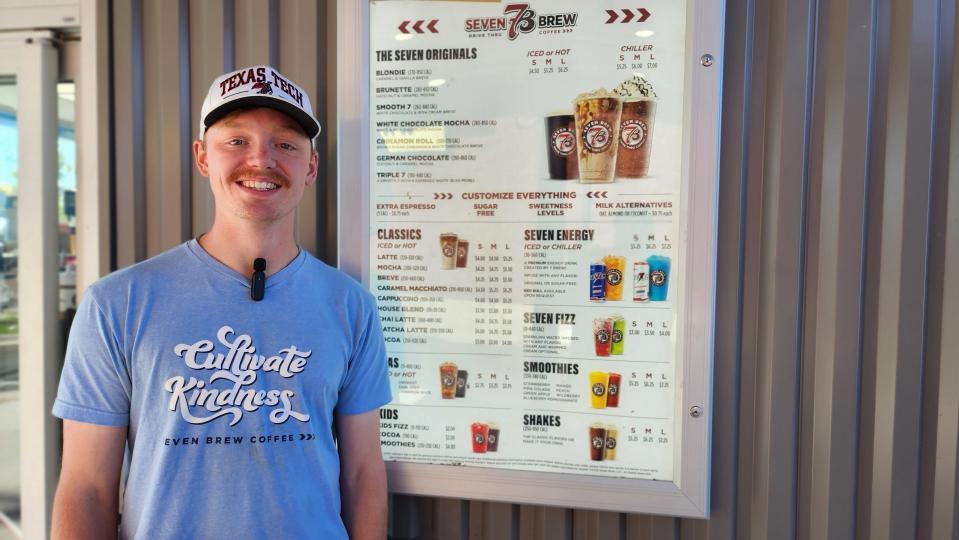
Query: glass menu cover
526	168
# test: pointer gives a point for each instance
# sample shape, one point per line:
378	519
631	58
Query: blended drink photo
561	146
636	127
598	382
597	135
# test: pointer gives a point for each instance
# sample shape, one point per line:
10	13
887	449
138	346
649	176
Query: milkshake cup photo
598	383
597	135
658	277
448	380
597	441
612	433
636	127
561	146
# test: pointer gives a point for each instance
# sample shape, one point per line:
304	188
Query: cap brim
310	126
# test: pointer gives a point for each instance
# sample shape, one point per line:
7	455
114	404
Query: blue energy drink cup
658	277
597	282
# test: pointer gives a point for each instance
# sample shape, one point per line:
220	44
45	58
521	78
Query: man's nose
261	155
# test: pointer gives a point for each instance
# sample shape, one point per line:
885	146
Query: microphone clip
258	282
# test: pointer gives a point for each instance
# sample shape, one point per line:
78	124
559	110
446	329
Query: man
248	409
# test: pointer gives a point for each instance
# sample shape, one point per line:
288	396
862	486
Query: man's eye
234	142
287	146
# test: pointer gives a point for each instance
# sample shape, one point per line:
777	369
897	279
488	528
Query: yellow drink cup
598	385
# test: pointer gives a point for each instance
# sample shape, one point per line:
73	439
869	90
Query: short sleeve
366	385
95	384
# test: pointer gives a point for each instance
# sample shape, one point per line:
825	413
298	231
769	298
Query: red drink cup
612	391
480	434
603	336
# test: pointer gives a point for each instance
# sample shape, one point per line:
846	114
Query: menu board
526	232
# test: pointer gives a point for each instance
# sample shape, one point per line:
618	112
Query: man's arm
362	475
86	504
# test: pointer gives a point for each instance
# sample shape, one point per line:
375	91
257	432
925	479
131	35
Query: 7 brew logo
563	141
597	135
633	134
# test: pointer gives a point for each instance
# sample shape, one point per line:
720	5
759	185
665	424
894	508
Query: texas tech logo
519	18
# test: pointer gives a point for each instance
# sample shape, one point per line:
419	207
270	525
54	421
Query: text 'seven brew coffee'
561	146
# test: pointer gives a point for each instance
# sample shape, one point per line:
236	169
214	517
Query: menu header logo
518	19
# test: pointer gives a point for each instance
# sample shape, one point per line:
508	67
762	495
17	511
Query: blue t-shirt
229	403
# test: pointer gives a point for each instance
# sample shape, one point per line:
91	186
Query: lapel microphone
258	282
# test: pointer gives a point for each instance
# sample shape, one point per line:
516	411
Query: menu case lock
695	411
706	60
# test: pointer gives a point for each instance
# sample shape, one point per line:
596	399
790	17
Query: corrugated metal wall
836	409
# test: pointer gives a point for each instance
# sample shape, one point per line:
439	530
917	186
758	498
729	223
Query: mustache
248	172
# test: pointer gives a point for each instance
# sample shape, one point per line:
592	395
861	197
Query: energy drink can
619	334
597	282
641	281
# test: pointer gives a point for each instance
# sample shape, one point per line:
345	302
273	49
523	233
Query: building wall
836	411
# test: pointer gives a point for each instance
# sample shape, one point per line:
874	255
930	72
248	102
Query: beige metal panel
774	486
165	145
492	521
942	523
93	141
902	273
206	63
450	519
545	523
129	189
252	37
837	266
299	52
639	527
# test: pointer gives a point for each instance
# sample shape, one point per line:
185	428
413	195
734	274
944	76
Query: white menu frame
688	494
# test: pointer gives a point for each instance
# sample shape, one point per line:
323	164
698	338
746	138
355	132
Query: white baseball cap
257	86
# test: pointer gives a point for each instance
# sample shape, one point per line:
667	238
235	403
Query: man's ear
314	168
199	155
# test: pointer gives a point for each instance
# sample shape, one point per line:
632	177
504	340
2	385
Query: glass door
9	365
35	251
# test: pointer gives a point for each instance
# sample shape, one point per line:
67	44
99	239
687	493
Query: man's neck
239	248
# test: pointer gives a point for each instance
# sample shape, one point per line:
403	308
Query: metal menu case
541	241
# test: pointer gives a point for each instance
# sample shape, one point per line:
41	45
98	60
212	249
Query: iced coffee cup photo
597	132
448	373
448	243
636	127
